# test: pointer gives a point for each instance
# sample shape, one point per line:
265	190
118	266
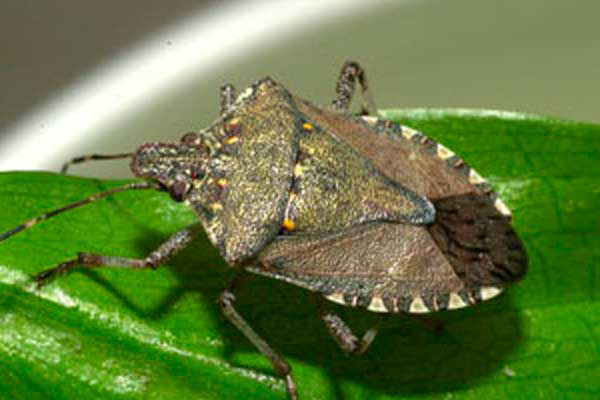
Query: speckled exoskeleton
362	211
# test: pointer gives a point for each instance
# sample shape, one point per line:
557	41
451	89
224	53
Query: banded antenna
90	157
90	199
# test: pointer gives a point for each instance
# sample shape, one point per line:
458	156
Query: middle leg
226	301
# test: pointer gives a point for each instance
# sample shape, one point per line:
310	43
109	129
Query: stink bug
362	211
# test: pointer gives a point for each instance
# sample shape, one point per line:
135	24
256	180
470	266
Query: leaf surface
122	334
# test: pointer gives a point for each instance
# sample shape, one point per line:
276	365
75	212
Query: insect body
362	211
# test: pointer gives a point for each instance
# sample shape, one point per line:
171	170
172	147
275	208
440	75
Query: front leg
227	97
344	89
158	257
226	301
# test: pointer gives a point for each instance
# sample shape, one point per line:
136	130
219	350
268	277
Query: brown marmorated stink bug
362	211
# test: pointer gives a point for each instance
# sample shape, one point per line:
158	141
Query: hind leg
344	89
342	334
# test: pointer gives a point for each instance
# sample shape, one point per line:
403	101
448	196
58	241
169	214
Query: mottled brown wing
477	240
407	157
472	231
386	267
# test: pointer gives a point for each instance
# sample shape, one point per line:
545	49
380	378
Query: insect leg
344	89
89	157
227	97
226	301
158	257
342	333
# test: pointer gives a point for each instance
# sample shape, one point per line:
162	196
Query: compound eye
178	190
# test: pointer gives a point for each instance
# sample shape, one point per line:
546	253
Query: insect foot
362	211
226	302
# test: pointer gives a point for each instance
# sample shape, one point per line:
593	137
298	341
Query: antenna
34	221
89	157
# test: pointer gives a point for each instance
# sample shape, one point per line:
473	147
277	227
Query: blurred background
79	77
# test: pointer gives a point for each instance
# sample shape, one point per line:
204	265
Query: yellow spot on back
298	170
289	224
307	126
222	182
232	139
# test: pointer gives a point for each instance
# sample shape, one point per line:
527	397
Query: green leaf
123	334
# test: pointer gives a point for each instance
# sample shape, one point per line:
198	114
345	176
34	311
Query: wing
404	155
472	231
386	267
